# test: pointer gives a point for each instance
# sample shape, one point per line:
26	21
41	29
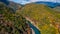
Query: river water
34	28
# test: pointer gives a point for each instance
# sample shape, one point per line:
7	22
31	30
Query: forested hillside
46	19
12	23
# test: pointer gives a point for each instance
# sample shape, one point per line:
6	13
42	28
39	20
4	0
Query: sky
29	1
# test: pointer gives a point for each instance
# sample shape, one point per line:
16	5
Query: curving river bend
34	28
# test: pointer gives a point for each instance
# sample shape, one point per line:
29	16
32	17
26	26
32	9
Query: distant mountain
5	1
50	4
12	5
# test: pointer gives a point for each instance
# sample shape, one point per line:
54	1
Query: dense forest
12	23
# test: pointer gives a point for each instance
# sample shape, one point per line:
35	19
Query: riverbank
31	22
32	26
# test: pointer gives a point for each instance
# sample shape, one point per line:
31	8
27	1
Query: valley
31	18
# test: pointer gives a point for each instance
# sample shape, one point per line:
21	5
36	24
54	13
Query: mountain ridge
50	4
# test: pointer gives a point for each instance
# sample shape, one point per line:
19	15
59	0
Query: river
34	28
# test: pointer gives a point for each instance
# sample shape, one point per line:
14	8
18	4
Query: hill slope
12	23
14	6
57	8
43	17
